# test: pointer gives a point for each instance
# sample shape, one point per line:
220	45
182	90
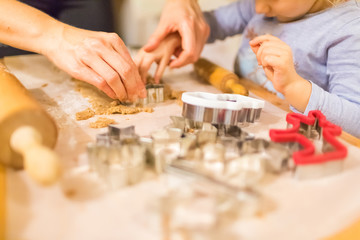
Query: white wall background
136	20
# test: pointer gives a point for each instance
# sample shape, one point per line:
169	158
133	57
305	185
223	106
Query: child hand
276	58
161	55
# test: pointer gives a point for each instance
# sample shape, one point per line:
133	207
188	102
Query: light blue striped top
326	51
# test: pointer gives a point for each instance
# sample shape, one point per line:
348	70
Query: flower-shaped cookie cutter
227	109
302	129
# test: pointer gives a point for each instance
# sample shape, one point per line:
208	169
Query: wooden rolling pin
27	132
222	79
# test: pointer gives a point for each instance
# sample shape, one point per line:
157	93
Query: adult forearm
27	28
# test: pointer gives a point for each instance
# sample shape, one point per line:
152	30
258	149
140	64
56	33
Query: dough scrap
101	104
102	122
86	114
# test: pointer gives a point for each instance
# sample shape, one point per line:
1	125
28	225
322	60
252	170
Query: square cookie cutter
155	94
118	157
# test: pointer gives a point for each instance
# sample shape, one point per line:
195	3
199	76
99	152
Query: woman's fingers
155	39
126	68
108	74
186	18
88	75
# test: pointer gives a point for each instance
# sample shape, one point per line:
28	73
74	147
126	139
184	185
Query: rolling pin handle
40	162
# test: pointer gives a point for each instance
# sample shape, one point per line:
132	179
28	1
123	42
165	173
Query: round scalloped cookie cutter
228	109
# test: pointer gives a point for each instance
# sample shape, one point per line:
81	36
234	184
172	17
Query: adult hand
186	18
98	58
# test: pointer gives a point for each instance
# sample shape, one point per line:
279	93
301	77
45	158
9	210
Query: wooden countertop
34	193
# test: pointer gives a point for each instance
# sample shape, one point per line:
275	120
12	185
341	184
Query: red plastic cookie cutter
302	129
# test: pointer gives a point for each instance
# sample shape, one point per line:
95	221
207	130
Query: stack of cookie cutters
155	94
225	152
230	201
118	157
178	141
301	131
255	158
227	109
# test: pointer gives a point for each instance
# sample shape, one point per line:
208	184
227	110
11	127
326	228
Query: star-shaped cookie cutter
301	130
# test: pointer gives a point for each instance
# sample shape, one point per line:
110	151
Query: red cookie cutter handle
307	155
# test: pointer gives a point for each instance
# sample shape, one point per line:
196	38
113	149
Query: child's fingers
274	44
265	51
138	58
263	38
144	68
273	61
255	49
161	68
139	64
257	42
274	48
258	49
269	72
142	71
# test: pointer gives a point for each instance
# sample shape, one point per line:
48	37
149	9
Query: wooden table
78	207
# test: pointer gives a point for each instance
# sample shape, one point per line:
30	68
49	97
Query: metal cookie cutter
227	109
116	136
302	129
155	94
275	155
204	146
251	159
118	157
248	198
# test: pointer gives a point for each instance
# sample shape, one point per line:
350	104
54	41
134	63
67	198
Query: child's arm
161	55
229	20
276	58
340	101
